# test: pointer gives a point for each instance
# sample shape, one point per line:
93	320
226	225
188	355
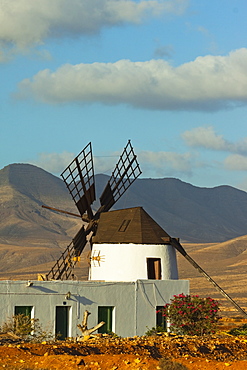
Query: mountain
30	234
23	190
211	223
186	211
191	213
226	263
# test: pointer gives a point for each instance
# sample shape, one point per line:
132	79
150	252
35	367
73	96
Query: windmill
79	179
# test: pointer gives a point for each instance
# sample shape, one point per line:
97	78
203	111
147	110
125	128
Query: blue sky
169	75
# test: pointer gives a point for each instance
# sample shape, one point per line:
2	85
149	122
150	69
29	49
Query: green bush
26	328
192	315
241	330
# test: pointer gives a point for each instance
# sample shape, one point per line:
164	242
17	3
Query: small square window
154	268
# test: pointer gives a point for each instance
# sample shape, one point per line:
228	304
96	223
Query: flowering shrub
192	315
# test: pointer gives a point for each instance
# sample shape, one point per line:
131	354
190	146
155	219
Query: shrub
26	328
167	364
241	330
192	315
155	330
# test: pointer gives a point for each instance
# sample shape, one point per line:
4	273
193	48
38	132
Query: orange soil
141	353
17	360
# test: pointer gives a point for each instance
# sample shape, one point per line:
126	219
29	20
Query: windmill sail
125	173
79	179
63	267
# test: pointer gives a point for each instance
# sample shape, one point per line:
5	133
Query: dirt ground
217	352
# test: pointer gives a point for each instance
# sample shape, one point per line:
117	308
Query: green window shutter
105	314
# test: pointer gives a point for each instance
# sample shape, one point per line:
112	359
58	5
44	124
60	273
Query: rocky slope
30	234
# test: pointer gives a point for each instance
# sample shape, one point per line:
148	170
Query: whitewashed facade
133	273
59	305
130	262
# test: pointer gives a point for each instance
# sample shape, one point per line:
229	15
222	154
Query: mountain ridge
186	211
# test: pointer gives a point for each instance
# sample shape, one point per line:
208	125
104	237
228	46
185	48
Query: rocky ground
216	352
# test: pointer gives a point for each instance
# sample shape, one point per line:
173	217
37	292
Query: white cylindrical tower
129	245
130	262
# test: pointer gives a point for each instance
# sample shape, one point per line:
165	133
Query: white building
133	273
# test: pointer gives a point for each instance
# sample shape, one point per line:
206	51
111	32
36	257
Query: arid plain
224	262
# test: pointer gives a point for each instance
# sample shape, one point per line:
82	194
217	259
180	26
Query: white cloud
236	162
160	164
206	137
105	165
57	162
208	83
153	164
27	23
53	162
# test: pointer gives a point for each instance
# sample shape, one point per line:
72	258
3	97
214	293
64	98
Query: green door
62	322
23	310
105	314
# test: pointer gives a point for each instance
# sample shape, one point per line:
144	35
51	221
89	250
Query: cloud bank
236	162
166	164
207	138
53	162
156	164
162	164
27	23
208	83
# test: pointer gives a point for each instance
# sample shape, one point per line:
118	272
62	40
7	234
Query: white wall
128	262
134	302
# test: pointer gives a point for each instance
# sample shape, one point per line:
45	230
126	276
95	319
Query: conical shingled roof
131	225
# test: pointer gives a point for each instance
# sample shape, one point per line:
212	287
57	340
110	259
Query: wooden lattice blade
79	179
64	266
125	173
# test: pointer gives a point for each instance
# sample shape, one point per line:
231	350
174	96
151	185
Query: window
105	314
62	322
24	310
124	226
154	268
160	319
